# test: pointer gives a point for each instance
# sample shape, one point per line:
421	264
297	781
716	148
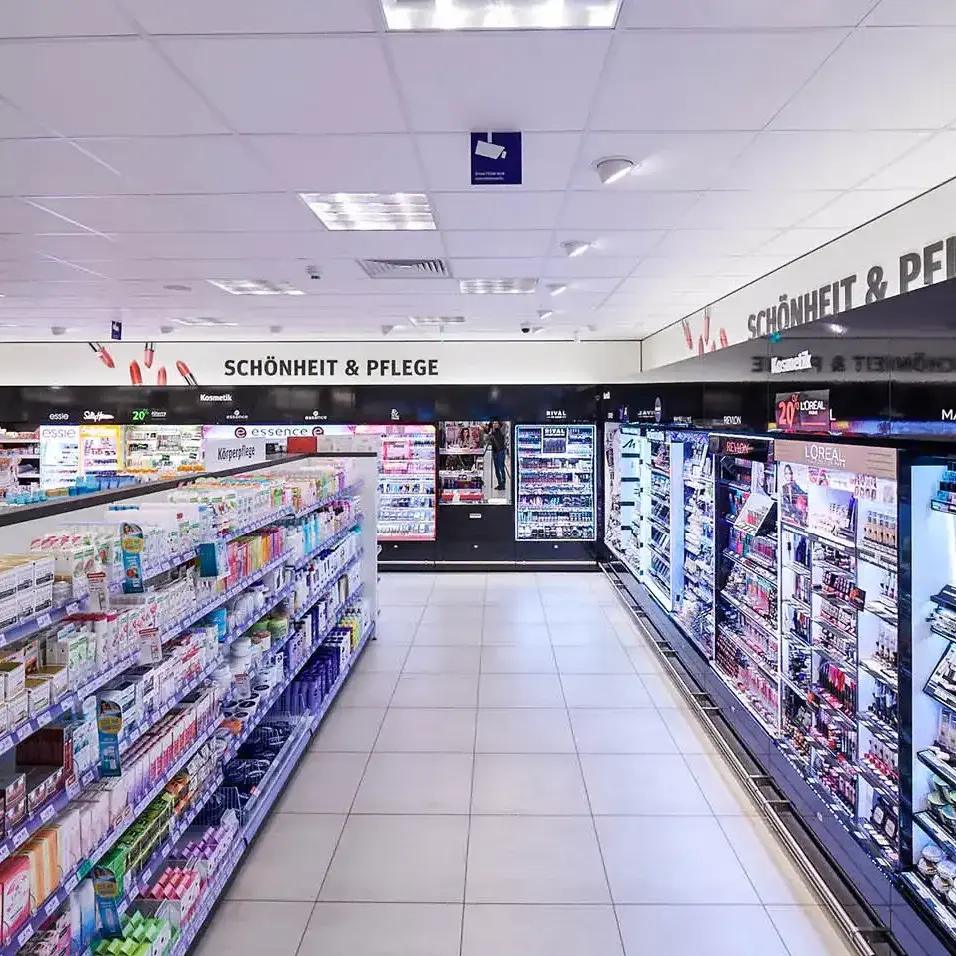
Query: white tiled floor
508	773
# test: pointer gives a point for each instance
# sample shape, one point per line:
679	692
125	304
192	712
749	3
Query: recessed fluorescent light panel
500	14
497	286
254	287
371	212
204	322
431	321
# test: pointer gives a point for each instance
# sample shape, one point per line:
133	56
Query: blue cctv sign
496	159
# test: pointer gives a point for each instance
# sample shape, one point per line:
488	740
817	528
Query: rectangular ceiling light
204	321
430	321
254	287
500	14
370	212
497	286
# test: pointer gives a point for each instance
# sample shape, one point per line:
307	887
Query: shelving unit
346	589
555	498
695	607
840	713
746	644
632	448
407	482
661	526
932	625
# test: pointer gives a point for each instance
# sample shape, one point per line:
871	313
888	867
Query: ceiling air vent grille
405	268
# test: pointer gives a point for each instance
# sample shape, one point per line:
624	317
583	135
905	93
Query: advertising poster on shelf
807	411
101	449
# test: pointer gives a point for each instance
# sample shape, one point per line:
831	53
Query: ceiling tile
504	210
598	267
927	13
855	207
15	124
816	160
76	247
316	84
52	167
798	242
501	81
183	164
928	165
546	158
383	163
747	14
495	268
523	243
741	209
578	287
682	243
116	88
63	18
620	244
855	90
594	212
252	16
279	212
690	161
219	245
728	81
17	216
318	246
740	268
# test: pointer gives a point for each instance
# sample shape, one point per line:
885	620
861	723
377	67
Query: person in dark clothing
499	451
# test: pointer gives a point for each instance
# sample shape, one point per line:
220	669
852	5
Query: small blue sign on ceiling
116	331
496	159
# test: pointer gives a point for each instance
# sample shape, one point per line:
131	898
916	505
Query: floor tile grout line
667	730
345	822
471	795
587	796
646	638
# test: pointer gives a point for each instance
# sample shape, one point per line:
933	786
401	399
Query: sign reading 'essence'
271	367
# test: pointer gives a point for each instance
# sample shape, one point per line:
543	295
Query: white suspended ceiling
152	144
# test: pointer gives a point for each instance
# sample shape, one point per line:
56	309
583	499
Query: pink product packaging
15	892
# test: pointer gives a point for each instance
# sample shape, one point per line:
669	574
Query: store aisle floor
508	773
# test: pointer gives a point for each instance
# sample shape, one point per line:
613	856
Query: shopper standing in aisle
499	451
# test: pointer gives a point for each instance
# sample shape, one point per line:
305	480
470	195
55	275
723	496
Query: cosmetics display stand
555	496
839	610
929	854
695	608
746	645
662	516
847	708
407	483
634	449
129	836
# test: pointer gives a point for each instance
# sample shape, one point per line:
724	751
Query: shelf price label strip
38	622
